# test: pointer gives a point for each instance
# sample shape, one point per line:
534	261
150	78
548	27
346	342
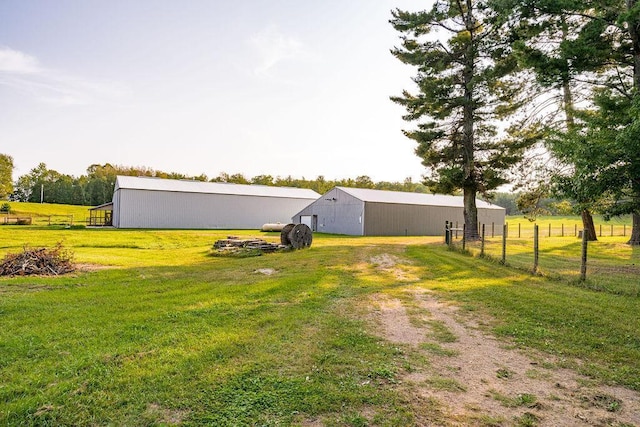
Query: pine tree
563	43
464	86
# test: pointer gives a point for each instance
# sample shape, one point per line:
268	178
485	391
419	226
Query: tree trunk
587	224
635	232
468	127
470	215
634	32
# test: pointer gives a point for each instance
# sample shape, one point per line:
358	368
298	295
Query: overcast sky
276	87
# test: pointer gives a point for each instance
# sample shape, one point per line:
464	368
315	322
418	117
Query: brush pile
38	261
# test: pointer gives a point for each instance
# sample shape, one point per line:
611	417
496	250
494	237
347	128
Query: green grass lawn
45	214
157	331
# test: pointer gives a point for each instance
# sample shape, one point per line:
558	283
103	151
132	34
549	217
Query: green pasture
46	214
153	330
612	265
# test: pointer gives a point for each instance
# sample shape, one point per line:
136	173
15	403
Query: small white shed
143	202
366	212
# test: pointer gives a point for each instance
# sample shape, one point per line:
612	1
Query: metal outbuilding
366	212
143	202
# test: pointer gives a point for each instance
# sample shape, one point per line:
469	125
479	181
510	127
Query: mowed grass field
153	330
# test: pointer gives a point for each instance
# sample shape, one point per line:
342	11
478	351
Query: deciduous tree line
541	93
96	186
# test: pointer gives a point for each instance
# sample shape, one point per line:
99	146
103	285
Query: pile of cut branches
40	261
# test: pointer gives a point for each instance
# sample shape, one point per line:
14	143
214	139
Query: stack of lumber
40	261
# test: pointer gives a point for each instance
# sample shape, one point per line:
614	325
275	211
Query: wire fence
41	220
608	264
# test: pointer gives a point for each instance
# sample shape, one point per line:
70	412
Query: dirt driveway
471	378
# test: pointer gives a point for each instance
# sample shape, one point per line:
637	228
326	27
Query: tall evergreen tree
464	85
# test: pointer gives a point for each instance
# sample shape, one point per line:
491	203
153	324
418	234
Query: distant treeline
96	186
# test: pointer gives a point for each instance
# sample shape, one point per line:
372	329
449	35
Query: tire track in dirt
479	380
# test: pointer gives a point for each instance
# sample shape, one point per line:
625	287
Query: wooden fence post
583	264
446	234
493	231
549	229
535	249
519	230
505	230
464	236
482	243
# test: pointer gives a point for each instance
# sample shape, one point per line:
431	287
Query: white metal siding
163	209
338	213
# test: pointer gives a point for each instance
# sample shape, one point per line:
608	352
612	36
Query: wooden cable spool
284	234
300	236
297	236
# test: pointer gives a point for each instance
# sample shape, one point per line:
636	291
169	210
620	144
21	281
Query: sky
258	87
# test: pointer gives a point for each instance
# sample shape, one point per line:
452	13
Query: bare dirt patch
165	415
395	266
477	379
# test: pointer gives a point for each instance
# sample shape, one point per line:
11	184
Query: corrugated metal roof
403	198
185	186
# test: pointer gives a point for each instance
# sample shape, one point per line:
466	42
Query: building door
306	220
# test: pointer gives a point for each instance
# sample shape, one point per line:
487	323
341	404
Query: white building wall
135	208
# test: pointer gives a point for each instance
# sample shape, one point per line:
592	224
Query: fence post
535	249
549	229
493	231
562	229
505	230
600	230
519	227
482	243
583	264
576	231
464	236
446	233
